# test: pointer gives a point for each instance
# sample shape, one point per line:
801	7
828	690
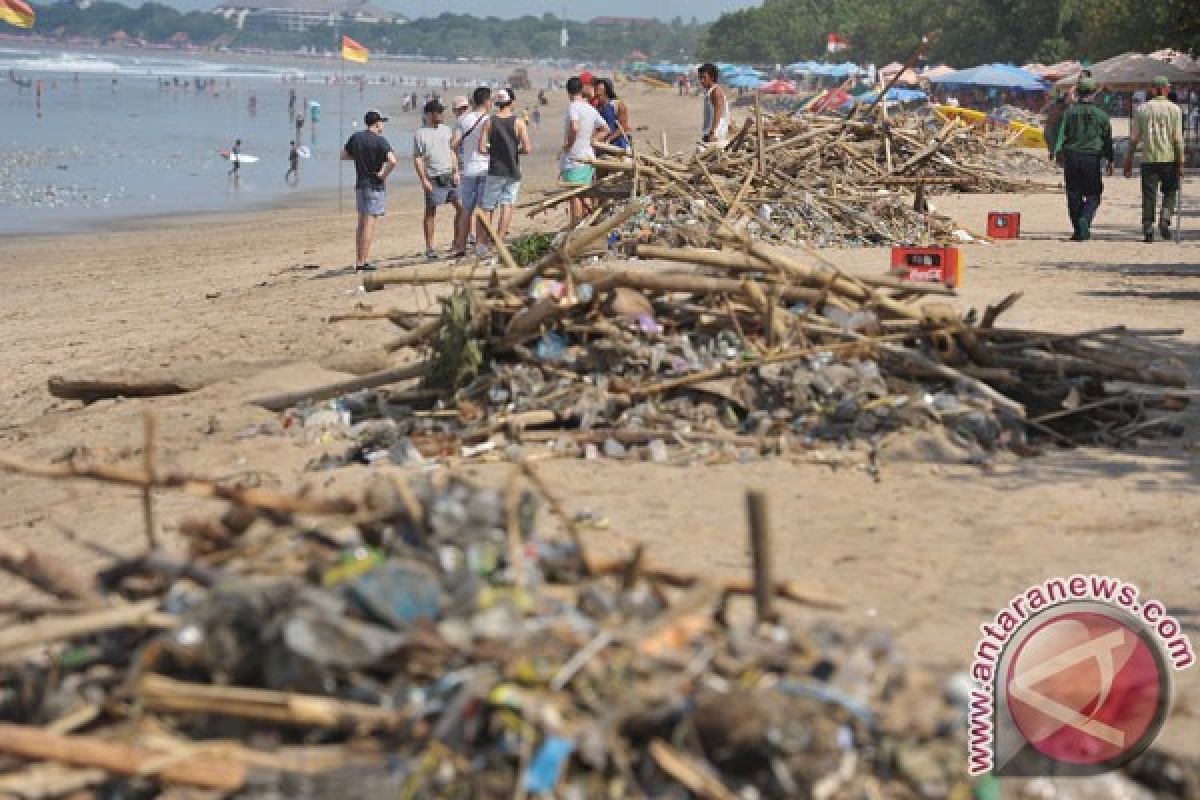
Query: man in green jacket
1084	145
1158	128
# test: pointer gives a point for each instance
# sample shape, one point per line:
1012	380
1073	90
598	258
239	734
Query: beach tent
778	86
803	67
734	71
1132	71
992	76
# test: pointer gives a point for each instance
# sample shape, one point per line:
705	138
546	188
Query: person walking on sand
583	125
1158	128
437	169
374	161
293	172
715	128
1084	145
505	139
468	132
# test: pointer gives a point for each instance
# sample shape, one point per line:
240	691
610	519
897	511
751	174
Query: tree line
447	35
969	31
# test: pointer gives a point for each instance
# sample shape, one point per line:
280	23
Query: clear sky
704	10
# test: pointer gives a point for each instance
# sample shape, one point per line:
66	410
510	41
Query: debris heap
739	353
435	640
820	180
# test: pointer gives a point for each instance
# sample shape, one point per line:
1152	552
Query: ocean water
118	136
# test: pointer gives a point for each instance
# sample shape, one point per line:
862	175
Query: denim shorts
500	191
470	190
371	201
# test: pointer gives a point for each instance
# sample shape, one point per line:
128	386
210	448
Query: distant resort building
624	22
300	15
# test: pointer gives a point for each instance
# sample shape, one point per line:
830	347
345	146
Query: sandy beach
928	551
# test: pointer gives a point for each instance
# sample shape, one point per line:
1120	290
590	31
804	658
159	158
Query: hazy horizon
703	10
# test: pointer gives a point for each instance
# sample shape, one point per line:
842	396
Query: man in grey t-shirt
437	169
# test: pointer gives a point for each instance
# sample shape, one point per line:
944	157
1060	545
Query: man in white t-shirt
583	126
467	131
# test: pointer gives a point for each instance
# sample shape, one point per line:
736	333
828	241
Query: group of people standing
475	163
1080	139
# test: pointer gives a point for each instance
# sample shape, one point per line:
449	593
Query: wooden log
120	759
317	394
17	638
456	274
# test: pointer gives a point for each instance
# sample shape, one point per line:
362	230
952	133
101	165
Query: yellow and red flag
16	12
351	50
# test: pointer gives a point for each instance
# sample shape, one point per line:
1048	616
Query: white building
300	15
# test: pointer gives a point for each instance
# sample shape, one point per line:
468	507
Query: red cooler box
929	264
1004	224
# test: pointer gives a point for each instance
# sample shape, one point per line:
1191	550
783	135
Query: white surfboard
242	158
303	151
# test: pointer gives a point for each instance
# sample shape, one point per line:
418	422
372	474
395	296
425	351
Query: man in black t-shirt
373	160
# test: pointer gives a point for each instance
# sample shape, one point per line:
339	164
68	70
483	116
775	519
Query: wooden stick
317	394
148	489
145	614
760	554
119	759
160	693
258	499
501	247
46	573
440	275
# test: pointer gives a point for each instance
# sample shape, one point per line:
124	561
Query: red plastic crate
1004	224
929	264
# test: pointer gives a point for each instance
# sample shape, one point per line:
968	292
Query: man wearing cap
1084	144
437	170
467	133
505	139
373	161
1158	128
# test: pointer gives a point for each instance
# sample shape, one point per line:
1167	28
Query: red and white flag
835	43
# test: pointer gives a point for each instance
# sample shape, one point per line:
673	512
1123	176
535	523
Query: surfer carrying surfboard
235	160
293	164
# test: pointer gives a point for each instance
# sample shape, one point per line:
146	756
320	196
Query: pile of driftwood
739	352
821	180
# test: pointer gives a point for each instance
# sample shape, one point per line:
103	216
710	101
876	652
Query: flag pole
341	113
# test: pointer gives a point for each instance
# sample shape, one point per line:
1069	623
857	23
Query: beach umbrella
778	86
992	76
937	72
895	95
746	81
